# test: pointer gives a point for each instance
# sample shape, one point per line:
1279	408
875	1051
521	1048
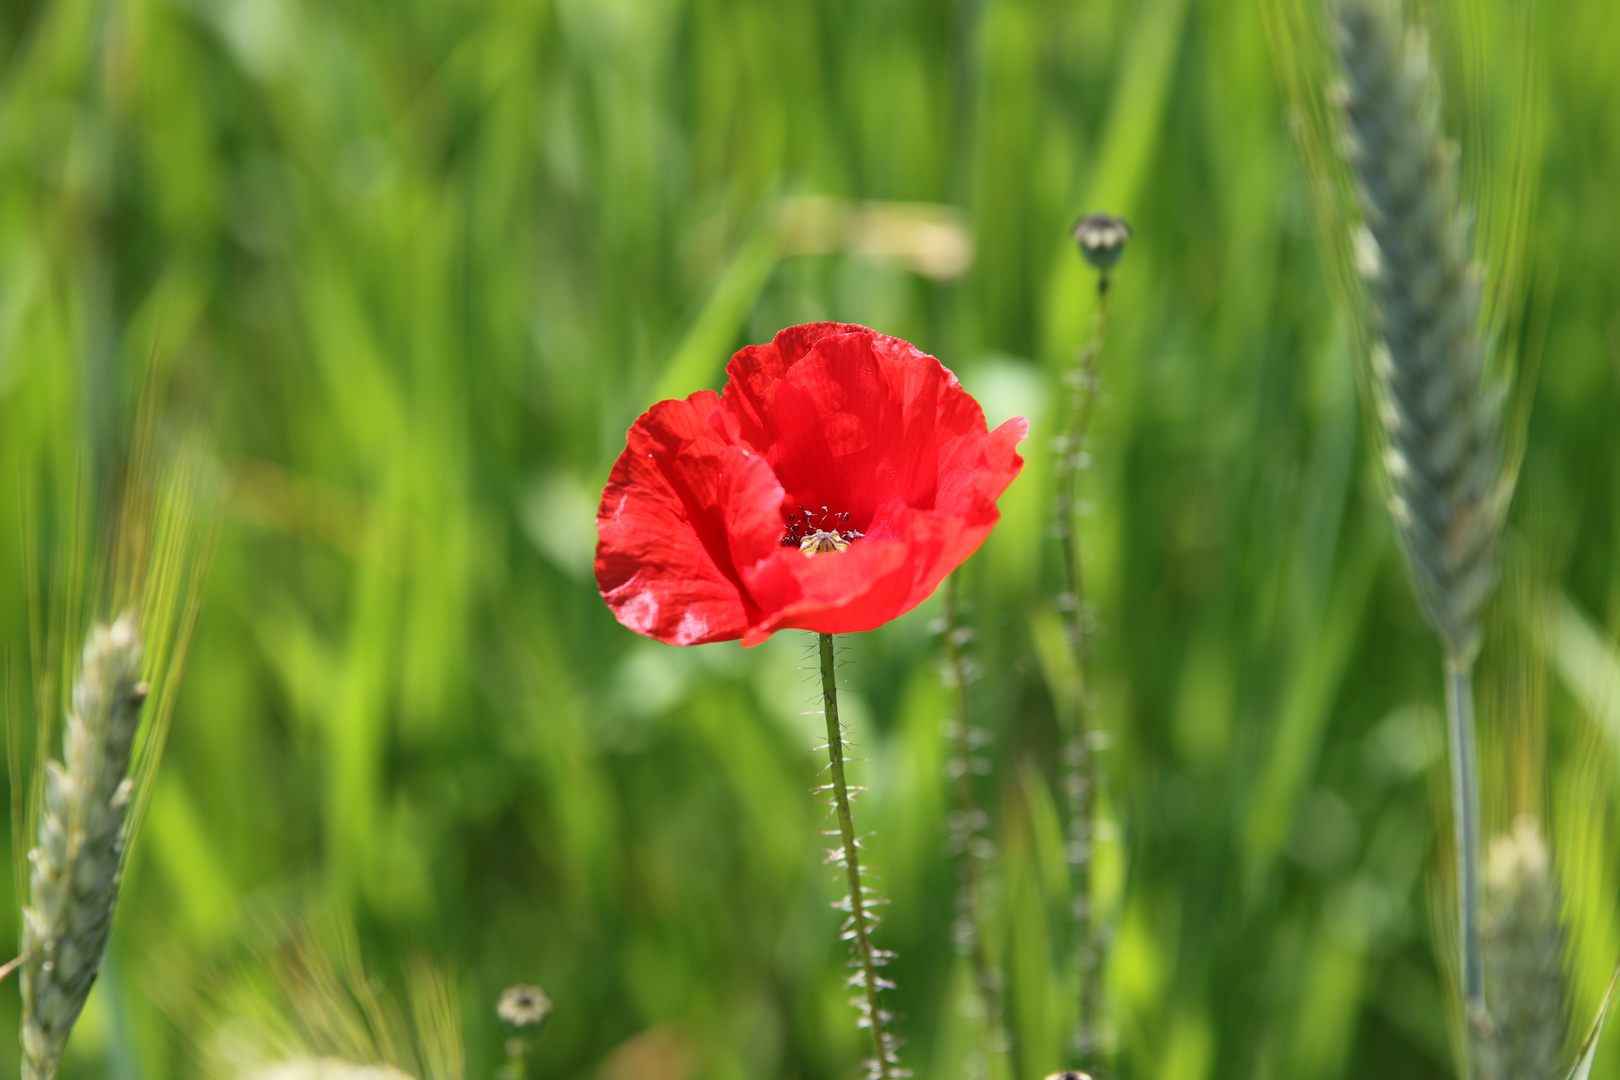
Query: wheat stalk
78	862
1439	408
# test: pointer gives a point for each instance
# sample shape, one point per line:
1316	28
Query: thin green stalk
517	1052
1465	815
859	929
969	839
1081	780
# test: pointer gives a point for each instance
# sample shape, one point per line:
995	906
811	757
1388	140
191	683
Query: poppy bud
1102	239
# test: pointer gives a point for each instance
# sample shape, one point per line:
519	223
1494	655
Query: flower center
818	532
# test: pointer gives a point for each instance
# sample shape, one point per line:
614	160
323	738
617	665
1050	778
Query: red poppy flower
831	487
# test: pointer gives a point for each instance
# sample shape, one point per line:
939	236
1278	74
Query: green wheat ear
1523	947
1440	410
77	865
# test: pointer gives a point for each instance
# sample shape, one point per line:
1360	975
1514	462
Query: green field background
416	265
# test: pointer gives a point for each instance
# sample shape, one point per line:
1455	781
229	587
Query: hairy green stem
859	920
969	840
1081	780
1465	818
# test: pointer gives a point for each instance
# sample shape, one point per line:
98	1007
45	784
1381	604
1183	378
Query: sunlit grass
422	263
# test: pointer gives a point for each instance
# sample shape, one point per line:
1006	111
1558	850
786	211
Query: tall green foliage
421	262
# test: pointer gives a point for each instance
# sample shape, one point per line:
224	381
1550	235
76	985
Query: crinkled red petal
683	508
754	373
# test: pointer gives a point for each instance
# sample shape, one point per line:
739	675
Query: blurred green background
419	263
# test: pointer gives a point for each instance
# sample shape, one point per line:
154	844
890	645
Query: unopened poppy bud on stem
1102	239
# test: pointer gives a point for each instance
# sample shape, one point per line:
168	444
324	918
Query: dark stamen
817	532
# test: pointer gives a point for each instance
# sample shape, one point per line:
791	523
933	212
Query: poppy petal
756	371
855	428
681	508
